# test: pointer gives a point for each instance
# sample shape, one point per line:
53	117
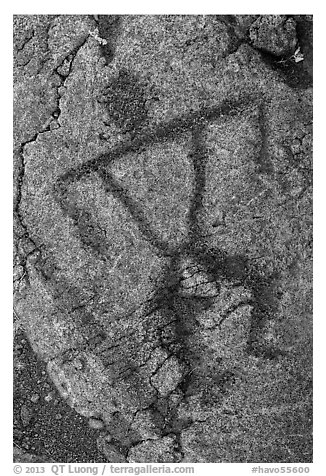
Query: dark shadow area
297	75
293	74
125	101
109	28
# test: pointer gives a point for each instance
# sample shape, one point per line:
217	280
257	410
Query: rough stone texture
275	34
163	209
163	451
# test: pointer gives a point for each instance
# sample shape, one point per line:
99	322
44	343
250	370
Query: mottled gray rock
110	451
26	413
163	230
95	423
162	451
21	456
275	34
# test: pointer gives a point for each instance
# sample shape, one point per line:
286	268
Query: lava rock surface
163	238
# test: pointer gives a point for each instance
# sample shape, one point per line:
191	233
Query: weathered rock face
275	34
163	230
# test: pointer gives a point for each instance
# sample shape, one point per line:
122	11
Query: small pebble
296	146
35	398
54	125
78	364
18	434
95	423
61	91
